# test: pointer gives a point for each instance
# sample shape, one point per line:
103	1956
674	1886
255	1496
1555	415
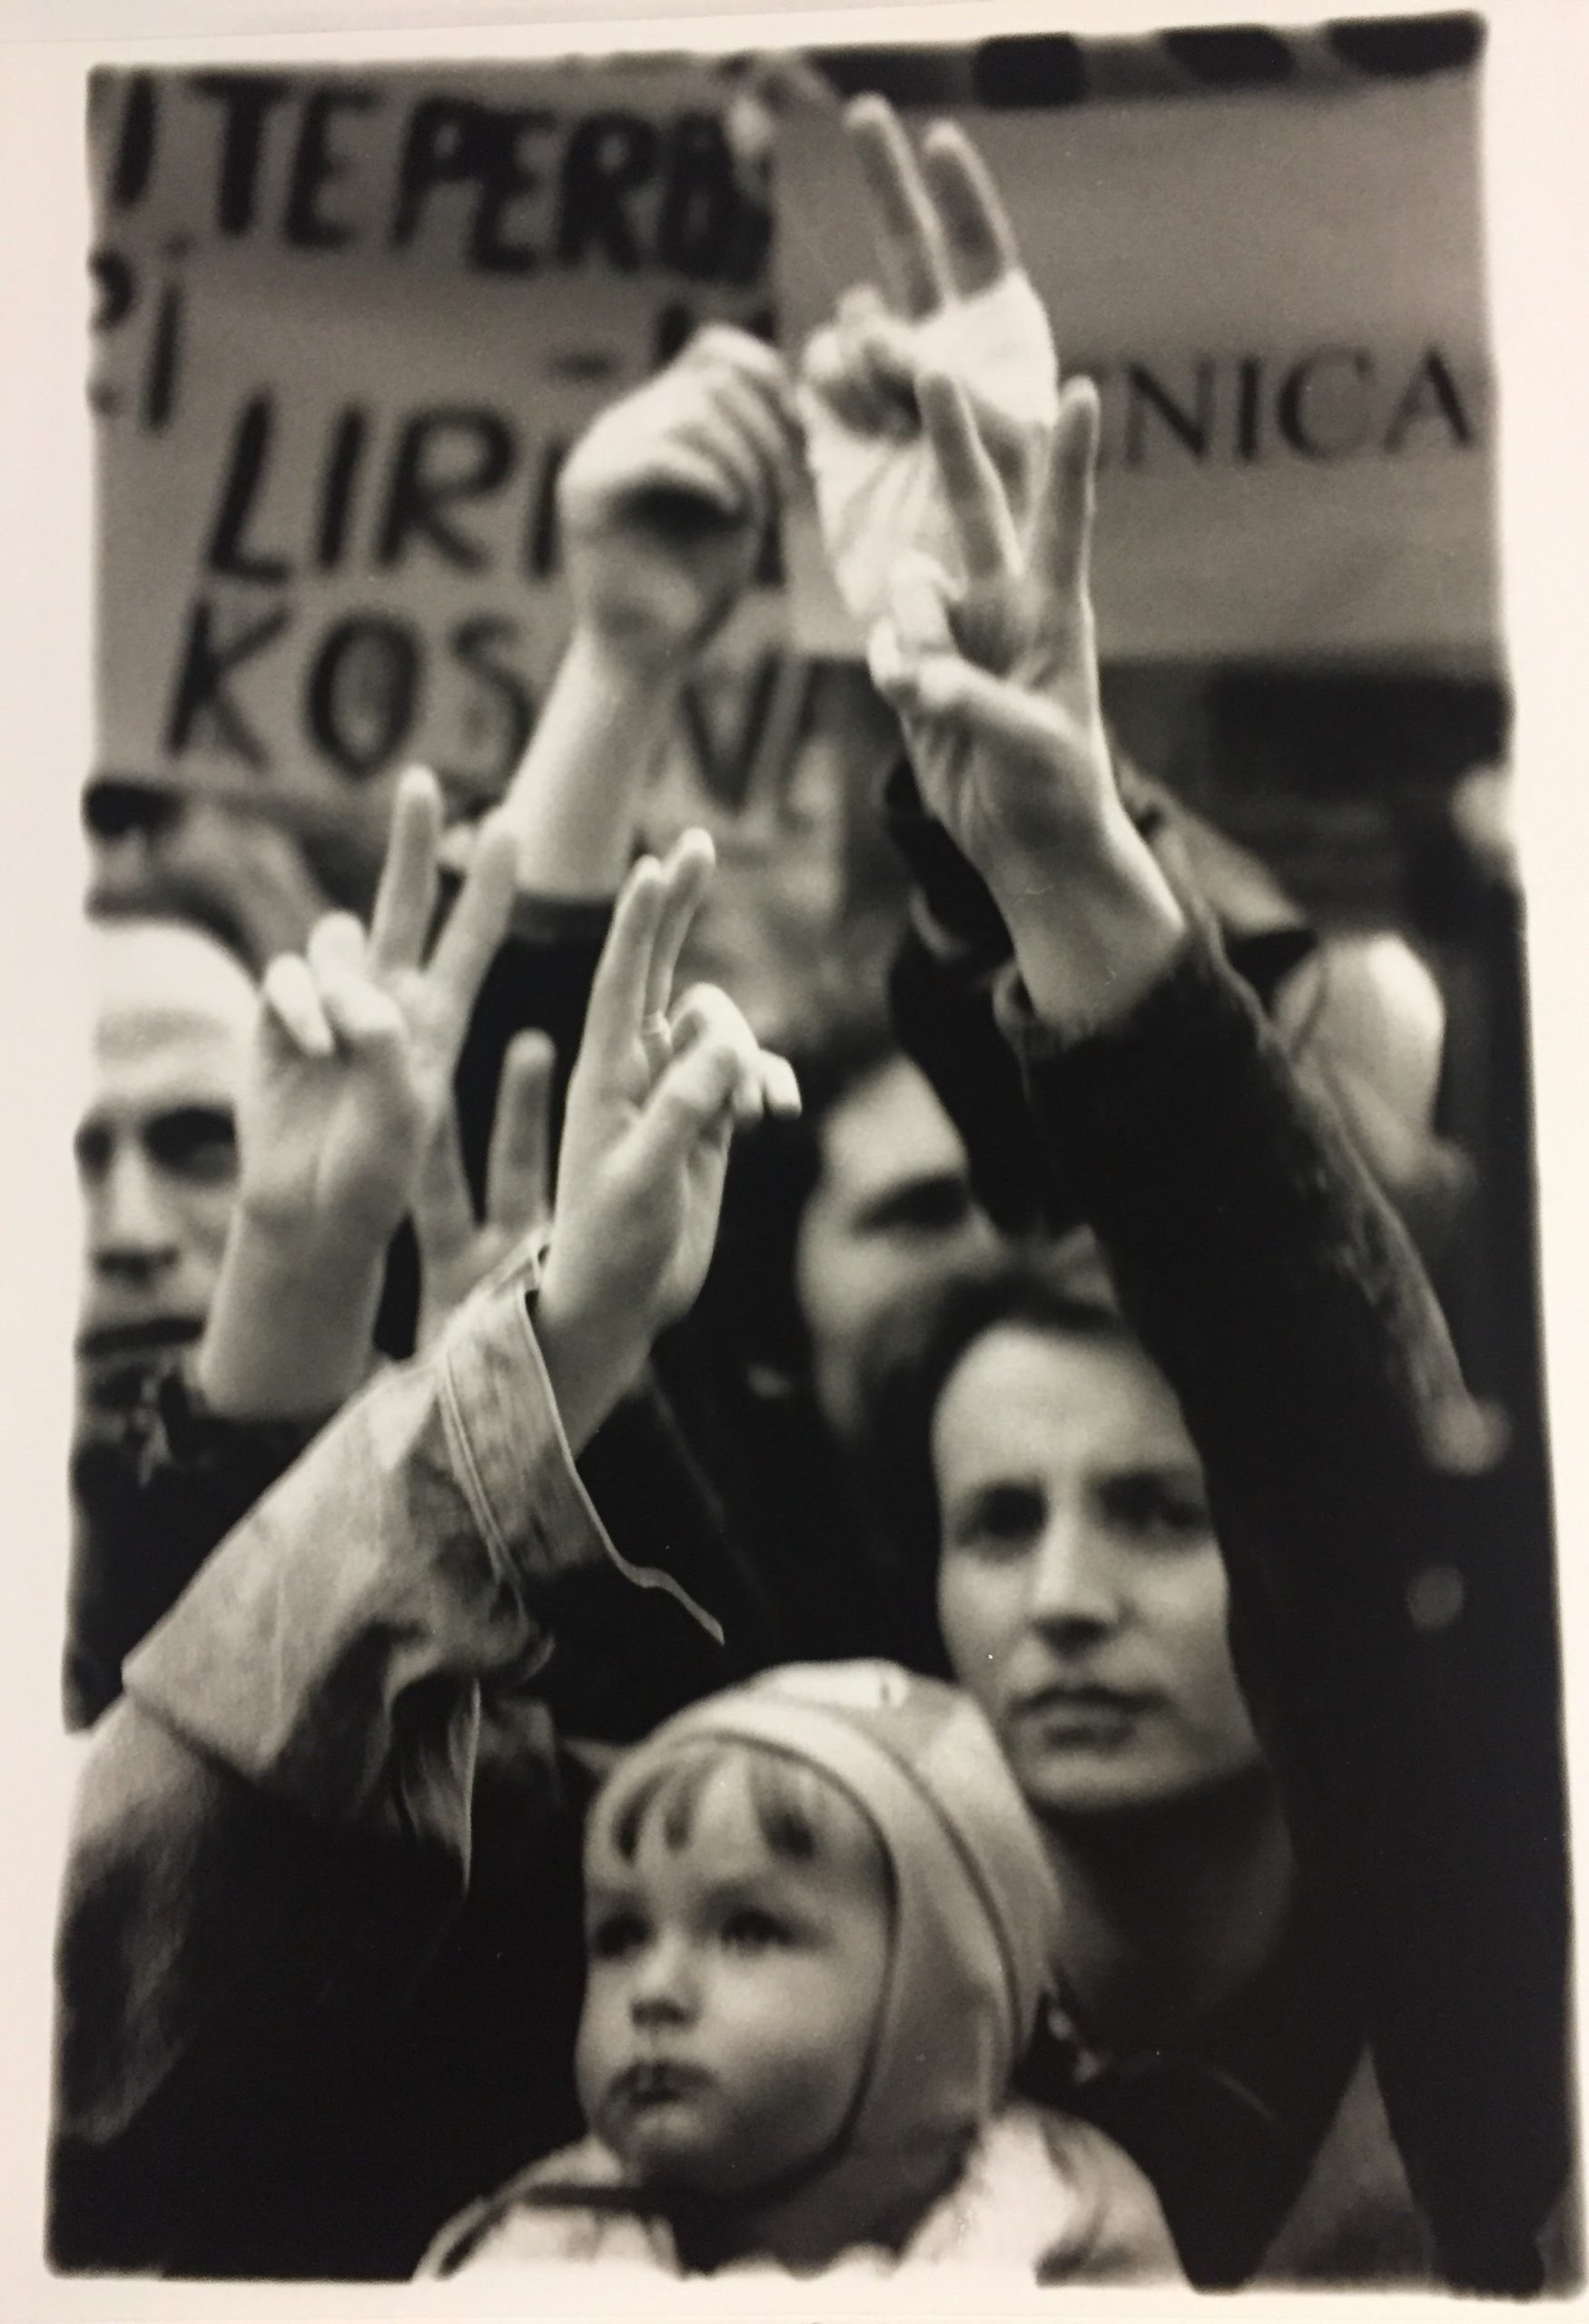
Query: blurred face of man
893	1211
156	1147
1081	1592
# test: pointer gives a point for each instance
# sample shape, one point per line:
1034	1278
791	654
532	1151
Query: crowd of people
906	1657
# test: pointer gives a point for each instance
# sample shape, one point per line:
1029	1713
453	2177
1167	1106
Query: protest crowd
909	1654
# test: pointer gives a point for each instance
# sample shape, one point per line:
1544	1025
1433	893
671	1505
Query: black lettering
700	203
542	549
1291	405
228	552
343	462
509	175
362	691
744	260
315	166
164	356
1145	393
505	717
117	285
1430	393
1249	407
417	495
135	138
609	155
446	145
201	694
246	98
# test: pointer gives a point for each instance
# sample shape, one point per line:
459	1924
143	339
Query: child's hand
996	680
457	1250
665	500
358	1037
653	1103
946	244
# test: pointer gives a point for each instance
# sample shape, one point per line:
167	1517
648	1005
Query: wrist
591	1366
636	668
573	804
291	1237
1095	925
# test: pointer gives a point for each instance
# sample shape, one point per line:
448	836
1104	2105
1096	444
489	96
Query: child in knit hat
819	1923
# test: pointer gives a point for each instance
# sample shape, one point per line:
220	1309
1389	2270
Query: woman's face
1081	1591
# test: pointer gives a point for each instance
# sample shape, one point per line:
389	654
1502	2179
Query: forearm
572	805
1095	929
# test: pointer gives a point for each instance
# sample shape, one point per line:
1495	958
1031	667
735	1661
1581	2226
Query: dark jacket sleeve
944	976
1394	1634
152	1493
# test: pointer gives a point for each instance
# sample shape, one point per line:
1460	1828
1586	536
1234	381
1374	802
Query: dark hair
910	1359
749	1296
788	1797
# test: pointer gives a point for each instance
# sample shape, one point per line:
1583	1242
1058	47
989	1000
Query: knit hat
976	1920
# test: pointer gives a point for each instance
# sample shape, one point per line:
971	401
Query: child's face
732	1993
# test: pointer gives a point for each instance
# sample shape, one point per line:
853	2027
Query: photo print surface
810	1519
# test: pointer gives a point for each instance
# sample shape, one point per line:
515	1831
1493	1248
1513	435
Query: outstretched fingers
981	241
405	902
686	874
475	925
617	994
519	1166
979	508
910	234
1062	539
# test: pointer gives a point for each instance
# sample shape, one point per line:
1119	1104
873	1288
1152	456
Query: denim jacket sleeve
408	1558
274	1824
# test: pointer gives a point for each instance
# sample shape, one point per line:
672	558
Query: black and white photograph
809	1535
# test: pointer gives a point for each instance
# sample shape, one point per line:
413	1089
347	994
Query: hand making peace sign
656	1093
964	304
357	1037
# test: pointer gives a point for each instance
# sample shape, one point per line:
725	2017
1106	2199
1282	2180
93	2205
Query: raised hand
964	305
996	680
1005	658
655	1095
359	1035
664	502
458	1249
